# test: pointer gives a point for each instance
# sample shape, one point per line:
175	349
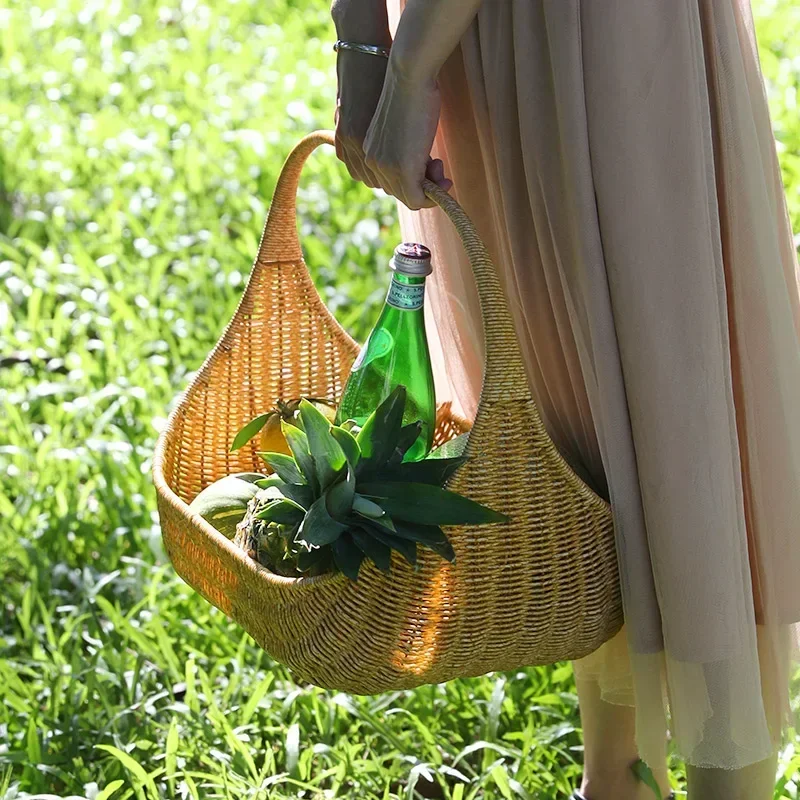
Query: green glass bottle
396	353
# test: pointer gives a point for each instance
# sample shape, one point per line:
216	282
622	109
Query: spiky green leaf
340	496
298	444
405	547
367	507
348	556
295	419
408	435
378	552
285	467
319	527
384	521
378	438
429	505
250	430
316	561
303	495
272	489
434	471
431	536
282	512
364	437
349	445
329	458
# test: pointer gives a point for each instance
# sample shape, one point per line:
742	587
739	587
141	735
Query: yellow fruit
272	439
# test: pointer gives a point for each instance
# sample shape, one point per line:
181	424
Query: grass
138	146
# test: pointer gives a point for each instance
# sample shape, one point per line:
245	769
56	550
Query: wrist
363	21
406	68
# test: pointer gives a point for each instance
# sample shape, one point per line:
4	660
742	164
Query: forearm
428	32
364	21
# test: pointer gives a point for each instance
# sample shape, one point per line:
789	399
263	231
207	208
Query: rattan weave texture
539	589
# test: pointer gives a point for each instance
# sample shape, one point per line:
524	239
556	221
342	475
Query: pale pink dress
617	157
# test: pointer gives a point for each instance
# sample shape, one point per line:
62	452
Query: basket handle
280	241
504	377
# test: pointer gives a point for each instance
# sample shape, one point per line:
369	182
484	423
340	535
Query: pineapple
345	495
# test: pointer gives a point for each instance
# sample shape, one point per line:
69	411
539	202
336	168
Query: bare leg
754	782
610	750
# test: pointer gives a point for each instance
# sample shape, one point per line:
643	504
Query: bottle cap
411	259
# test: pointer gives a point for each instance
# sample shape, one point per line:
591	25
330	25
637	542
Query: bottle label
405	296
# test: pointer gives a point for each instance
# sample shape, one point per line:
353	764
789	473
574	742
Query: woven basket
540	589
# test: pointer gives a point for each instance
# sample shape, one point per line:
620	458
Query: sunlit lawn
139	145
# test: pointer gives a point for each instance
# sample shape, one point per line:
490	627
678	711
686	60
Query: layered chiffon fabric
617	157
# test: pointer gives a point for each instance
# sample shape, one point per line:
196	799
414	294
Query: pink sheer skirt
618	160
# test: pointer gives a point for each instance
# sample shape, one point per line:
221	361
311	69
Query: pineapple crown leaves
345	493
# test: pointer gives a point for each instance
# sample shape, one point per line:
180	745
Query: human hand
399	139
360	81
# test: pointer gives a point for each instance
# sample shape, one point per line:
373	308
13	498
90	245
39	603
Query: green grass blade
171	755
138	773
110	790
643	772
